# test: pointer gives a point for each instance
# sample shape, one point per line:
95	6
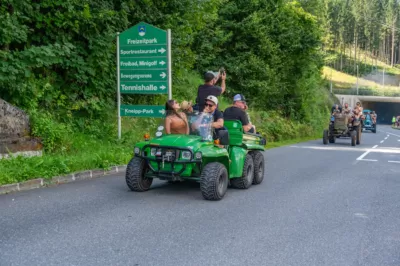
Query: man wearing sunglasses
210	109
236	112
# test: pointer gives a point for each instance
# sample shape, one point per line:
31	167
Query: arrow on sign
162	63
162	111
163	87
162	50
163	75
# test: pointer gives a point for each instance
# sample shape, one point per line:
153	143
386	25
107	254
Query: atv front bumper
167	165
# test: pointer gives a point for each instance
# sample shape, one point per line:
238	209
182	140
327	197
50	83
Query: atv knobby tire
135	175
214	181
246	180
259	167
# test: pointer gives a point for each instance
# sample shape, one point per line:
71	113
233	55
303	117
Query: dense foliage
60	54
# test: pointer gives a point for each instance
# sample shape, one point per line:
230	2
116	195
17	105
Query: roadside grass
282	143
341	80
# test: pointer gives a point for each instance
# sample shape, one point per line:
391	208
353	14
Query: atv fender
238	156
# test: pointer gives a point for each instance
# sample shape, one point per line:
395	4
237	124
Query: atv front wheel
247	177
258	160
214	181
135	175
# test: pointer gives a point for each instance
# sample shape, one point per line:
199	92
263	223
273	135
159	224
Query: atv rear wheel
247	177
214	181
135	175
325	137
332	139
258	160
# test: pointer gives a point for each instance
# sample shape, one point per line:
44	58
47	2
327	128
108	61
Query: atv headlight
198	155
137	151
153	151
186	155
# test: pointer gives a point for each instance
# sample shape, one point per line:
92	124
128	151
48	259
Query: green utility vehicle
342	125
235	158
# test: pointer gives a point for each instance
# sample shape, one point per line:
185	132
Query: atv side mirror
223	136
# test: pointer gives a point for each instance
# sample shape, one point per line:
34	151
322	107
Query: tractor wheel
135	175
374	129
247	177
332	139
325	137
214	181
358	139
353	136
258	159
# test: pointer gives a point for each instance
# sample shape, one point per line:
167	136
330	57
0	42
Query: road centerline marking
393	161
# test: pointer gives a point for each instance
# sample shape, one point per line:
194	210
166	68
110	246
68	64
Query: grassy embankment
74	150
370	80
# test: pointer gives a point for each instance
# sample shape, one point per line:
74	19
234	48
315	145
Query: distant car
368	124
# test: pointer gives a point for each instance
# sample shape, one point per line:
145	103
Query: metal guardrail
368	92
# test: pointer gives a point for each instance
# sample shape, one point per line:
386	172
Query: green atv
234	158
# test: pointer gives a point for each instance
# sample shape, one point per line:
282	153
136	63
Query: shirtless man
358	112
373	117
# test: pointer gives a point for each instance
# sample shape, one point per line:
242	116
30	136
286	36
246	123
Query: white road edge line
393	134
363	155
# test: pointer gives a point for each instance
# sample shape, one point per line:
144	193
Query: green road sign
127	76
147	87
142	110
143	60
144	63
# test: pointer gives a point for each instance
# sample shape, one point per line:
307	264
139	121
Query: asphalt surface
318	205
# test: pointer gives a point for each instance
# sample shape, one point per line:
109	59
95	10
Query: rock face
15	131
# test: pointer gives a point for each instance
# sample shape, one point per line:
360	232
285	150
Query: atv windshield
201	125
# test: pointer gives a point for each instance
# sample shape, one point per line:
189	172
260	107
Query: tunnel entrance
384	110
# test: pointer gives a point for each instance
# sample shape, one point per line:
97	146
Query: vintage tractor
343	125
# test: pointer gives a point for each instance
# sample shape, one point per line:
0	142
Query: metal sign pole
118	90
169	65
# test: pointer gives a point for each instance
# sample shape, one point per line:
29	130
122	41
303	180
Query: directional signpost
143	67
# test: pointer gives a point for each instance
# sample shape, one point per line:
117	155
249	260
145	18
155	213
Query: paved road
318	205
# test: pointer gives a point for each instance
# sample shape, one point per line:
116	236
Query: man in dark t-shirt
209	88
236	112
